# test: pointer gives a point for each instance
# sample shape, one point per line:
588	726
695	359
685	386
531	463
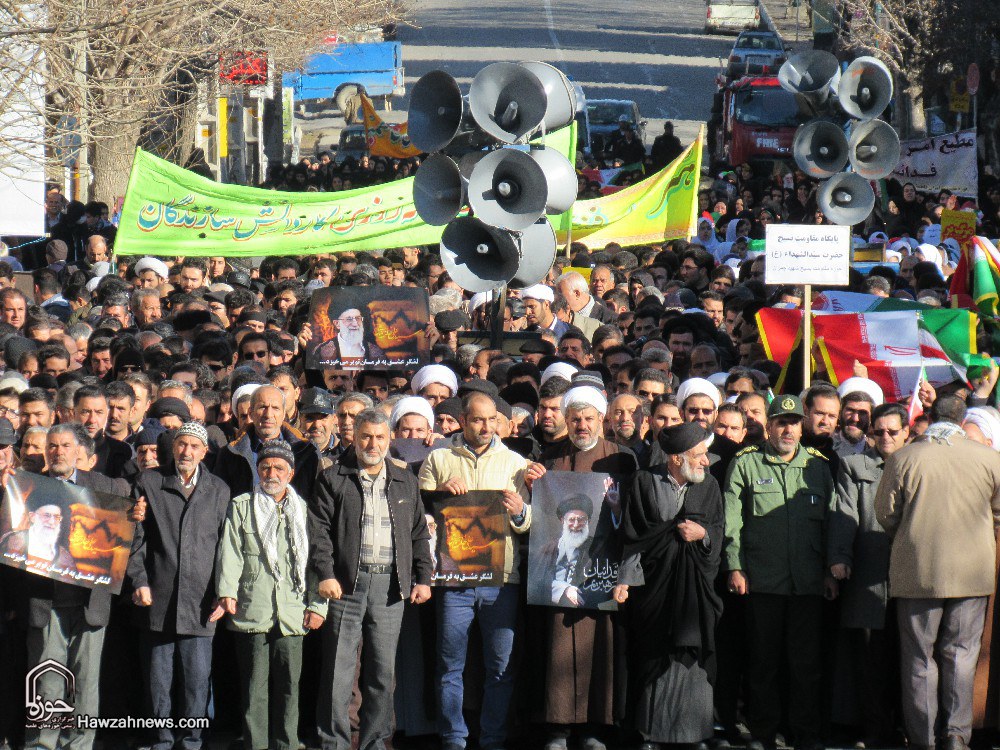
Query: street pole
807	337
498	308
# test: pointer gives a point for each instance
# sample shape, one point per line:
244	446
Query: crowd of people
810	567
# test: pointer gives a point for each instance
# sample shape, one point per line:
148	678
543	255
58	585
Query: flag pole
807	337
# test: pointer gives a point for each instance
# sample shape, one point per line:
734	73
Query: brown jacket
941	504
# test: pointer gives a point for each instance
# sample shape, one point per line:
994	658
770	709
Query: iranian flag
891	345
916	408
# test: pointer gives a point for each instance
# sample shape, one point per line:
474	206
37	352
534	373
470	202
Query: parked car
353	144
756	53
731	15
605	115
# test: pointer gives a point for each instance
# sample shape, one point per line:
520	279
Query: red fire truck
754	120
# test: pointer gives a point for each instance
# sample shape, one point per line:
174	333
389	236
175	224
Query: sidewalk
791	23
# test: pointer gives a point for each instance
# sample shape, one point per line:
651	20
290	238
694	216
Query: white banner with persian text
945	162
807	254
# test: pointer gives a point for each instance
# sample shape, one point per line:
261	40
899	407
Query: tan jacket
941	504
498	468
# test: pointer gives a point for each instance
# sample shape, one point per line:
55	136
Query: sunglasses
255	355
130	368
882	433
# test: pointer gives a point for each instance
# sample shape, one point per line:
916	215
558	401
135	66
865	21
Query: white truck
732	16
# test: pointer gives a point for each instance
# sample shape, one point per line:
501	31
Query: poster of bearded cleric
470	544
65	532
368	327
575	547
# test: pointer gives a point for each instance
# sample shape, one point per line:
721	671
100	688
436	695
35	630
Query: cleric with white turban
699	387
585	395
412	405
434	375
987	419
870	387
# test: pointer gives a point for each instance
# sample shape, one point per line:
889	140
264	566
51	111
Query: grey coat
173	552
857	539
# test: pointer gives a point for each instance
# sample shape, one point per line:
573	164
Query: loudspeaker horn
560	179
437	111
478	257
820	149
874	149
508	189
846	199
537	253
560	95
438	192
865	88
813	74
507	101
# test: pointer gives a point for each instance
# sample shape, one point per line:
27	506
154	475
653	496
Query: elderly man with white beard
673	531
582	679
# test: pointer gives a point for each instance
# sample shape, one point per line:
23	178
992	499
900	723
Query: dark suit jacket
112	456
173	552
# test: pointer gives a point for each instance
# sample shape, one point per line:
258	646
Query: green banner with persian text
170	211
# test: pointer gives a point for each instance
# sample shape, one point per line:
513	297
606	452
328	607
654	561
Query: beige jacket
941	504
498	468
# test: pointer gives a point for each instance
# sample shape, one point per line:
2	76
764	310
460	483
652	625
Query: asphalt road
652	51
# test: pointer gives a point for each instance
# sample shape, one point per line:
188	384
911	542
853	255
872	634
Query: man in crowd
172	570
370	554
264	586
939	489
777	497
673	528
477	460
581	676
859	560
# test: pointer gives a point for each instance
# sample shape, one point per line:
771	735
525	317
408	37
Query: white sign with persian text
807	254
945	162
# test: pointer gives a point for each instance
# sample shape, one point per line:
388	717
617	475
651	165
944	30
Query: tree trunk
917	121
111	160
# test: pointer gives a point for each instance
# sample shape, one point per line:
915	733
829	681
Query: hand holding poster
958	225
575	549
368	327
471	538
65	532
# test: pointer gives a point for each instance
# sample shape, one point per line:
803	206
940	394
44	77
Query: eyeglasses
350	319
8	412
883	433
696	410
50	516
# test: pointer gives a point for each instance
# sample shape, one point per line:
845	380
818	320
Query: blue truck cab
341	71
